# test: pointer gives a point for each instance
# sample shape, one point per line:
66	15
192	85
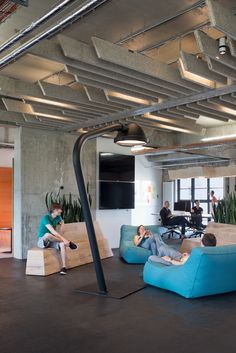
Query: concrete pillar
43	163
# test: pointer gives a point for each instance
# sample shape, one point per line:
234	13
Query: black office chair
196	226
171	230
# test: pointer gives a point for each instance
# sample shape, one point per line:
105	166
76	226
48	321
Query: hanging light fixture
131	135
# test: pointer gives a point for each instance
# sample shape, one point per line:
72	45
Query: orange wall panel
5	197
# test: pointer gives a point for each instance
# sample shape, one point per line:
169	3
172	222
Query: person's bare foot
166	258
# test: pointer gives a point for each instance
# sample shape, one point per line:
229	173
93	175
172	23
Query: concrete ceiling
154	62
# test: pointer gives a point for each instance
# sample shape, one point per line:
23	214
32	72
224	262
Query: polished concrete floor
47	315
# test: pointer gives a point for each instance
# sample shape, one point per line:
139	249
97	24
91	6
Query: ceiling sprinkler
222	45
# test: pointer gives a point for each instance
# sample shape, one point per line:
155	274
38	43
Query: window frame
192	200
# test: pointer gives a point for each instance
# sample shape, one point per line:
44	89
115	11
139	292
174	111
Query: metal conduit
6	9
34	24
86	7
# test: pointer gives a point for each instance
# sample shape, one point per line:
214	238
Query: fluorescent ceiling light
195	77
82	131
158	118
227	110
51	116
50	102
129	98
106	154
174	128
214	138
130	143
140	148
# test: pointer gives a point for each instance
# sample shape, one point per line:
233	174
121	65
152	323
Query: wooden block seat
43	262
225	235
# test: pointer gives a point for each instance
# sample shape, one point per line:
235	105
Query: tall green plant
71	205
225	210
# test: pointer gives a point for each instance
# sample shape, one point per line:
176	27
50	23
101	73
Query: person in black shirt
196	215
168	219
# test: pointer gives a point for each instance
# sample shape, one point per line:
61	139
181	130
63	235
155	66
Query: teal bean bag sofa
131	253
208	271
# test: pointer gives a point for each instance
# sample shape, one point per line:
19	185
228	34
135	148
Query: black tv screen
182	205
116	195
116	167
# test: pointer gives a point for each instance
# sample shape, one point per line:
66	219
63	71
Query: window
199	189
185	189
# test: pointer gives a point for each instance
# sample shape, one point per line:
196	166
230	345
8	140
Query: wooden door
5	197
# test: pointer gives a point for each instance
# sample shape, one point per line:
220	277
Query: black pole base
113	294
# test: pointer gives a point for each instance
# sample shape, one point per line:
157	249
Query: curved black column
84	199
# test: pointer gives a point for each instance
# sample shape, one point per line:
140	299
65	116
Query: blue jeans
150	244
159	248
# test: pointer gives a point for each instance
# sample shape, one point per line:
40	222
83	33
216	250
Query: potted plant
71	205
225	210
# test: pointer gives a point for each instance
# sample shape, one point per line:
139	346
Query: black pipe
84	200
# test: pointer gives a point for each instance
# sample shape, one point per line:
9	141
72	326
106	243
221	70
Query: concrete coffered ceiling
153	62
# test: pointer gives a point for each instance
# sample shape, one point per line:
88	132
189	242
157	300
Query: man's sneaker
73	246
63	271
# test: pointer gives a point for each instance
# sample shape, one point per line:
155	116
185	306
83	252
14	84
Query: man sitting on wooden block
48	237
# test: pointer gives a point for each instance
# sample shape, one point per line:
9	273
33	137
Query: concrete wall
7	134
43	163
6	157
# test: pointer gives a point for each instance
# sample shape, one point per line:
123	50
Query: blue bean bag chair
208	271
131	253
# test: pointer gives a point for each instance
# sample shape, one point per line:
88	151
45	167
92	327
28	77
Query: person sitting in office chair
196	216
168	219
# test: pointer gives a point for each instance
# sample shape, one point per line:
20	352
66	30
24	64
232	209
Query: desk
208	216
188	214
8	229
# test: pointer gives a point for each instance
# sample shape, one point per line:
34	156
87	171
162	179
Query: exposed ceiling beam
221	18
160	22
183	115
198	71
82	56
20	107
188	147
220	102
232	46
221	69
123	88
98	95
137	62
181	124
210	48
228	98
172	103
217	109
202	110
167	126
130	83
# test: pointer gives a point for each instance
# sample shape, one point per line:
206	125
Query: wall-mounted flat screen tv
116	181
116	167
116	195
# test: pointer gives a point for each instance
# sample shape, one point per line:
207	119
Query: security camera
222	45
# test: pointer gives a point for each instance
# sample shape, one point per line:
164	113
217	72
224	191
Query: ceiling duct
6	9
85	8
21	2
